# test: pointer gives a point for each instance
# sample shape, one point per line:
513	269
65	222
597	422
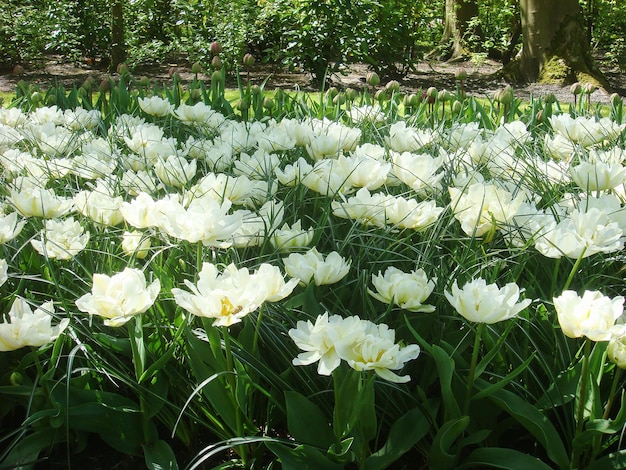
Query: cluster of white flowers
363	345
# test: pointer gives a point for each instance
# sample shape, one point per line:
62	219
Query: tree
555	47
118	46
461	22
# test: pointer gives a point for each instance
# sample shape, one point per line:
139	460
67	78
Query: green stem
257	328
582	398
199	253
232	384
617	373
136	337
572	273
472	369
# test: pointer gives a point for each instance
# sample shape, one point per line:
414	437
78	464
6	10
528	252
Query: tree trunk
457	29
118	47
555	48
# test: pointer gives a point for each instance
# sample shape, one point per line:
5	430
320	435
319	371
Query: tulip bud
456	107
216	76
575	88
506	97
196	68
443	95
351	94
460	75
372	79
89	83
550	98
105	85
51	100
393	86
539	116
616	351
243	105
339	99
195	94
216	62
268	103
18	70
216	48
35	97
432	93
122	69
590	88
248	60
144	82
414	100
616	99
16	378
332	92
171	72
380	95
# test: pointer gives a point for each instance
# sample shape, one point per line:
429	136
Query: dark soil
482	79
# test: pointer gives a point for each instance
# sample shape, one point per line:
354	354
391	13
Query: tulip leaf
562	390
533	420
440	456
404	434
496	457
302	458
506	380
159	456
306	421
610	462
445	367
597	427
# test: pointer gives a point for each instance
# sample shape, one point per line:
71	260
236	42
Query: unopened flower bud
122	69
372	79
339	99
539	116
615	99
575	88
18	70
171	72
255	90
16	378
268	103
216	62
393	86
243	105
35	97
431	92
216	76
506	97
216	48
550	98
51	100
414	100
443	95
196	68
332	92
590	88
456	107
351	94
144	82
460	75
195	94
248	60
380	95
105	85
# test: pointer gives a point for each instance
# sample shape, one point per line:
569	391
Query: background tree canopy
305	34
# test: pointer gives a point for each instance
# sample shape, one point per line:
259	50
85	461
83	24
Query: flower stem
232	384
582	398
472	369
572	273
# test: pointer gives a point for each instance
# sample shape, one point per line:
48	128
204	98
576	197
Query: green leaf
506	380
562	390
445	367
440	455
610	462
404	434
306	421
302	458
597	427
497	457
533	420
159	456
26	452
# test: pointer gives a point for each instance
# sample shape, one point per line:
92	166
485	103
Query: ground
482	80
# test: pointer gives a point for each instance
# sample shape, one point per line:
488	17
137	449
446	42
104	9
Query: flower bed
363	280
